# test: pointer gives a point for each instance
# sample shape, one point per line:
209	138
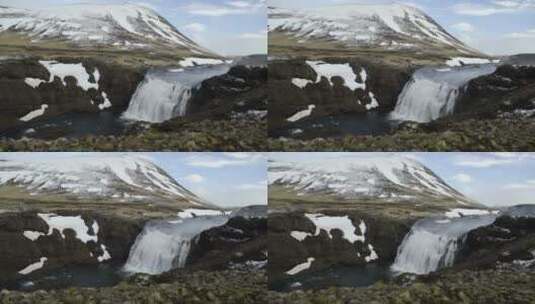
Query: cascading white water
165	94
165	245
432	92
433	243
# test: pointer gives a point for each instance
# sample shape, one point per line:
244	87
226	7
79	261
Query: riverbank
497	286
178	286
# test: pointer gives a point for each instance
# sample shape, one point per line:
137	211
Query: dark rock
385	81
17	251
18	98
238	241
384	234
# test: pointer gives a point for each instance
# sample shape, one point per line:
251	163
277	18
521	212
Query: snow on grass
345	71
194	61
343	223
35	113
192	212
61	223
105	255
302	114
300	235
106	104
33	267
300	82
75	70
301	267
460	212
33	82
460	61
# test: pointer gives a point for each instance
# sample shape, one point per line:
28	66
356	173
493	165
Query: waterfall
433	243
165	94
432	93
165	245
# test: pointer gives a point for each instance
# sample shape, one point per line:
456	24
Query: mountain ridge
123	179
390	179
126	26
395	27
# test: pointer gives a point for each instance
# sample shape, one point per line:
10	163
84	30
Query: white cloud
529	184
495	7
261	35
262	185
195	27
194	178
527	34
463	27
221	162
484	162
462	178
228	8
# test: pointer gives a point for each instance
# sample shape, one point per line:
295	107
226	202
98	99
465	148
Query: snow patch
77	71
192	212
460	212
105	255
302	114
35	113
345	71
106	104
300	235
33	267
33	82
195	61
32	235
61	223
343	223
460	61
301	267
300	82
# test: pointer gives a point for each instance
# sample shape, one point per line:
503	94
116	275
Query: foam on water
432	93
433	243
165	245
165	94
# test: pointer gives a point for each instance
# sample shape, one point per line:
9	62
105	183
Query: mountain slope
388	27
121	27
388	178
112	178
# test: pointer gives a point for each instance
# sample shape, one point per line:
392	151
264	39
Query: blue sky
493	179
225	179
228	27
496	27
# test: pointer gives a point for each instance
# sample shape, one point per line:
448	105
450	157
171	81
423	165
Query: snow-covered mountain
118	178
126	26
394	26
388	178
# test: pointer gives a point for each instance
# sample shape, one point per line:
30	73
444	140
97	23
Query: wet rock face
18	251
507	240
384	81
508	89
18	98
229	90
239	241
285	252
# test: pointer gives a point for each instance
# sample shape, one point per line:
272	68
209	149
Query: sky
228	27
225	179
495	27
493	179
